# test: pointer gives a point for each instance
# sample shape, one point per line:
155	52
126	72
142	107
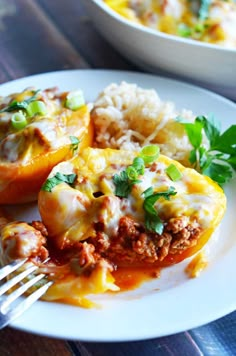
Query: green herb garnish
57	179
184	30
19	105
138	164
123	183
75	100
18	120
127	178
150	153
36	107
173	172
74	143
152	220
203	11
219	160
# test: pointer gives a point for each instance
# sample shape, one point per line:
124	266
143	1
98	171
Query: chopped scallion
74	143
184	30
149	153
36	107
75	100
173	172
199	27
18	120
20	105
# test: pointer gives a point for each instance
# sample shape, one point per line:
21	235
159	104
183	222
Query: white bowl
211	66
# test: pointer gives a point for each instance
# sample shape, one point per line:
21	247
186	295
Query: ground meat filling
87	259
22	240
133	244
38	225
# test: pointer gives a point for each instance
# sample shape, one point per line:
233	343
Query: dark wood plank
4	76
218	338
75	23
175	345
30	43
17	343
40	36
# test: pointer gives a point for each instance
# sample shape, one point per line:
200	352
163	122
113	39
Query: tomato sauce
129	278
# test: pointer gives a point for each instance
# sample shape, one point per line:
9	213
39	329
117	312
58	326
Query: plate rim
17	324
140	73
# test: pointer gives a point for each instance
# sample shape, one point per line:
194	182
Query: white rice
129	117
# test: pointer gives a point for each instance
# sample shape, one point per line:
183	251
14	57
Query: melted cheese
28	154
70	213
74	210
43	133
74	290
166	16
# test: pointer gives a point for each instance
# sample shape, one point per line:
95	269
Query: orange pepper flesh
170	259
21	183
48	204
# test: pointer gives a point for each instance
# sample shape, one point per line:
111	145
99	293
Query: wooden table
39	36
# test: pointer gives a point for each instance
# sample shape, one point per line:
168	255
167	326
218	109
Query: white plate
163	306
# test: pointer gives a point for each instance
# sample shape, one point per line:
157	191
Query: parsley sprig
126	179
57	179
20	105
153	221
219	160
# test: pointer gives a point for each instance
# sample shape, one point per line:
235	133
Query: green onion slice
36	107
183	30
18	120
131	173
75	100
173	172
74	143
199	27
150	153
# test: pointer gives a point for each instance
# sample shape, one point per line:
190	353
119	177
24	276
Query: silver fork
9	310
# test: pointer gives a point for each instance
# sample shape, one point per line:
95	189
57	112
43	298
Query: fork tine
27	302
6	270
12	314
19	291
12	282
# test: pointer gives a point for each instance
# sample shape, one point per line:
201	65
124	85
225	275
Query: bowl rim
209	46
